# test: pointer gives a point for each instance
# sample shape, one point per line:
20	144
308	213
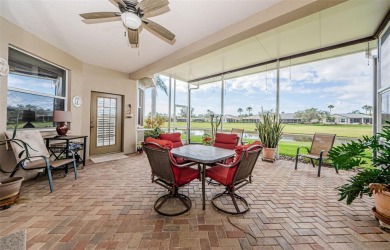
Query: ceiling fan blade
98	15
117	3
157	28
158	12
152	5
133	36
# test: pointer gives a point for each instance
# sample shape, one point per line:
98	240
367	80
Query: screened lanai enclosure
341	74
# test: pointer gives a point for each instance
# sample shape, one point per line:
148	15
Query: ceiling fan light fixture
131	20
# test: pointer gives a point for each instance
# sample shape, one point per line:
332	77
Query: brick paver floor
110	206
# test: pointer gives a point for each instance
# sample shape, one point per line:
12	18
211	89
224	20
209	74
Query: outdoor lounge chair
319	149
39	159
168	174
233	177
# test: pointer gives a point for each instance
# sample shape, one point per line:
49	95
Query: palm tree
369	108
249	109
330	108
365	107
161	85
239	110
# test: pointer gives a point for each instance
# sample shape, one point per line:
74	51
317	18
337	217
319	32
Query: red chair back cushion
173	137
227	141
241	148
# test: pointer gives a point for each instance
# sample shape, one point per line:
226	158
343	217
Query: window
140	107
35	89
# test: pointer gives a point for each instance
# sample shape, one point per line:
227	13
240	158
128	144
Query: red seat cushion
222	175
173	137
227	141
184	175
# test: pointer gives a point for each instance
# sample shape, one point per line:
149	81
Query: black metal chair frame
241	178
165	178
319	157
47	167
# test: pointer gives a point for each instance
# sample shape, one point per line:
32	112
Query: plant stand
384	221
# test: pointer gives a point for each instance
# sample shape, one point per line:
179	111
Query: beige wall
82	79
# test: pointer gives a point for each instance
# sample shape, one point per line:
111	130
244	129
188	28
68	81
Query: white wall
82	79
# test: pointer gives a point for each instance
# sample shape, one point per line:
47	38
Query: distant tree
308	115
369	108
330	108
210	113
161	85
183	112
239	110
323	115
249	109
356	112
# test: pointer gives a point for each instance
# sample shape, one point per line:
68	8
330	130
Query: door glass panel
106	125
385	114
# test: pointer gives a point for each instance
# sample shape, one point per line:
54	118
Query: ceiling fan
134	17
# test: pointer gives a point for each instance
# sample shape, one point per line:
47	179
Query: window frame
31	92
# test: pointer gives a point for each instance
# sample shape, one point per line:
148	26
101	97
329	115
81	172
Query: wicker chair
234	177
168	174
39	159
319	149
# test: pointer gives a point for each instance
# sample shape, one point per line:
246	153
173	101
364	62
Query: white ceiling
58	22
194	22
342	23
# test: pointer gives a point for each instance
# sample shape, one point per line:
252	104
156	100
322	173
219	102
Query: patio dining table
203	155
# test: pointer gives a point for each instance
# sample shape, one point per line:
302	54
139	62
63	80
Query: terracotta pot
269	154
10	187
382	204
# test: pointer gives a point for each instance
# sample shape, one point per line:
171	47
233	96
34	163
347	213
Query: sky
344	82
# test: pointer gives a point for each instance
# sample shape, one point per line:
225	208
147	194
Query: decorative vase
382	207
268	154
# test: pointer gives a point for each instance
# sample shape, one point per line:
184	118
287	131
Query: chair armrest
22	162
224	165
299	148
188	164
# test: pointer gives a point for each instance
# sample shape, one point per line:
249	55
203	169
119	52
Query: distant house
231	118
352	119
251	119
290	118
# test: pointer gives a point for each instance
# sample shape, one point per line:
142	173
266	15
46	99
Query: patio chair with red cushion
170	175
173	137
228	141
176	141
233	177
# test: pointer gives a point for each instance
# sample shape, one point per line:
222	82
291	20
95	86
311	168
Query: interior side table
66	139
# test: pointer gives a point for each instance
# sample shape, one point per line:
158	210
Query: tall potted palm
270	131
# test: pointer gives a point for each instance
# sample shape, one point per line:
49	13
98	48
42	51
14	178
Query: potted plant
270	131
207	140
9	187
372	170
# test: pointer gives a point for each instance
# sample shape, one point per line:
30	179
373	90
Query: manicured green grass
288	148
353	131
